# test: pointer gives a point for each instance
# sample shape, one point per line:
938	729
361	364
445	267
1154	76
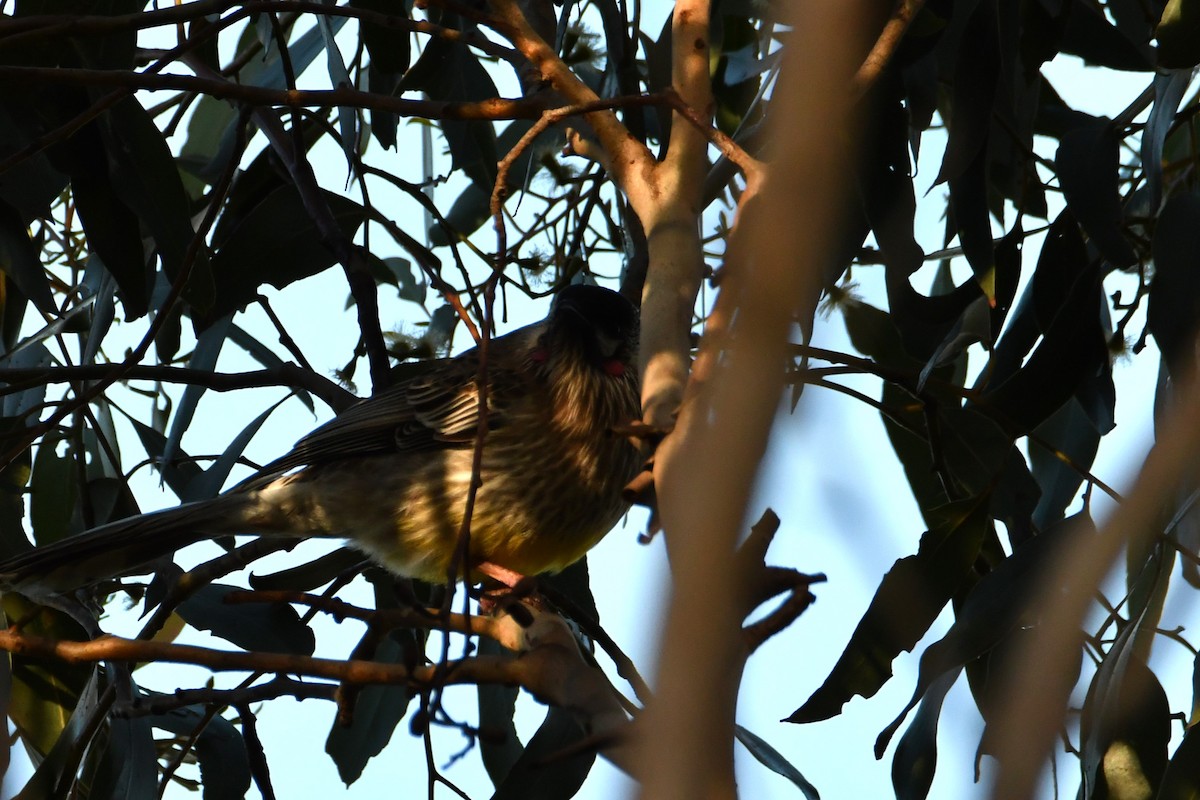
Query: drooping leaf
21	261
909	599
1066	296
1070	432
32	183
128	766
208	484
177	474
1174	298
773	760
542	772
1168	91
59	737
377	712
1125	726
46	694
14	478
146	179
915	761
975	78
266	627
53	491
220	749
448	71
1087	163
340	77
212	128
390	49
993	609
1181	780
1099	43
1178	35
276	243
204	358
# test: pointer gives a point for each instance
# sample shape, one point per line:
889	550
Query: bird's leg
502	575
513	587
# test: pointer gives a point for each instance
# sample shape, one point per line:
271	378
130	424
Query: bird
391	473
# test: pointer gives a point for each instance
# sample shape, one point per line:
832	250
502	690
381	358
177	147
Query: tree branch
286	375
772	279
493	109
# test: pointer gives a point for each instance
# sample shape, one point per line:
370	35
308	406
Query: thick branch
632	163
772	279
670	210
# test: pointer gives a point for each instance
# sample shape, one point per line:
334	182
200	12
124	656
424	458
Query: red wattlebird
391	473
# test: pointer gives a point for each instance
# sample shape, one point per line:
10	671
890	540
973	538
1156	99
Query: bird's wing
438	409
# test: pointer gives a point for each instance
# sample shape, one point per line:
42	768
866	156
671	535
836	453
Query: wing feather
437	409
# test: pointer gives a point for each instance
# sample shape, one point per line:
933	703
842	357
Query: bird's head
594	327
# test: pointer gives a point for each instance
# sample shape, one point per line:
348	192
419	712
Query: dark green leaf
212	129
20	259
208	484
993	609
53	491
312	575
13	480
468	213
60	732
1174	303
773	760
975	78
915	760
265	356
31	184
499	745
1073	351
908	600
1070	432
104	287
204	358
969	203
220	749
47	694
1091	37
145	178
1181	781
1125	726
276	243
1087	165
128	768
338	76
1178	35
113	229
377	712
449	71
266	627
176	475
390	47
1168	91
542	772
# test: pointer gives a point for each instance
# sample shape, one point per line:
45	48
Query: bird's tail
123	547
